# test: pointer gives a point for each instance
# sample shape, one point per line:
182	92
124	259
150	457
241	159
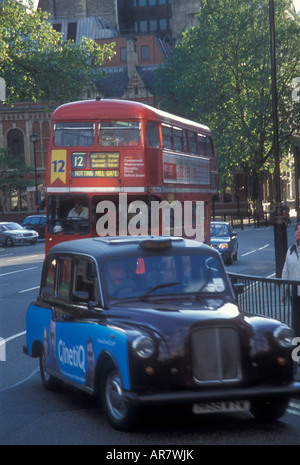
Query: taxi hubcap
114	396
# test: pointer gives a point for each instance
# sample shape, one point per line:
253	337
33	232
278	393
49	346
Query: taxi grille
216	355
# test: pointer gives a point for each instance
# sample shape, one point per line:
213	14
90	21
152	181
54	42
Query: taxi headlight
143	346
284	335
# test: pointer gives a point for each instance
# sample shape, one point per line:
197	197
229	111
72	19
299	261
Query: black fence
241	220
271	297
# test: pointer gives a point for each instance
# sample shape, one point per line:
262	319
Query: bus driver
79	211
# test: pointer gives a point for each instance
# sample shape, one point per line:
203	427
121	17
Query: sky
297	5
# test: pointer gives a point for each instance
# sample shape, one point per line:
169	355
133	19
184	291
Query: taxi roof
101	247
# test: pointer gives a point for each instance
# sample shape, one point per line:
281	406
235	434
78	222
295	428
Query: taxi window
49	285
86	280
64	279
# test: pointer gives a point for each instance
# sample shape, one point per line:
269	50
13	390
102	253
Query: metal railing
270	297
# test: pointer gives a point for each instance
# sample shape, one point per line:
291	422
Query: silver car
14	233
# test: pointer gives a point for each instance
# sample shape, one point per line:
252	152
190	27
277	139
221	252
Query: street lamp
280	233
34	139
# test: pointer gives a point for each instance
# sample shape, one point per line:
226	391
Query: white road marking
22	381
18	271
248	253
30	289
3	341
255	250
263	247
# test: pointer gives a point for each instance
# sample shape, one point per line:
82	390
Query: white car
13	233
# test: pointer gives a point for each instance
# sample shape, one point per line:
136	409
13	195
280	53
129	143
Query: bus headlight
143	346
223	245
284	335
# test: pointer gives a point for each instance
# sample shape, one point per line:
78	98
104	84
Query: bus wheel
119	413
50	382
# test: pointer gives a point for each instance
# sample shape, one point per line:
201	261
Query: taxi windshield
159	275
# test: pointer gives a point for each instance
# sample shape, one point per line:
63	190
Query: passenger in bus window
108	138
79	211
130	138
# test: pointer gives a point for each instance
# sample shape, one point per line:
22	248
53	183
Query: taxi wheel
269	409
49	382
119	413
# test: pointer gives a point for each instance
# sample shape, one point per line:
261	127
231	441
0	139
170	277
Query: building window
72	29
144	52
152	2
143	26
163	24
153	25
123	54
57	27
142	2
15	142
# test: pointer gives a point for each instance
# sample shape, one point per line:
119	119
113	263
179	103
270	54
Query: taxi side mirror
238	288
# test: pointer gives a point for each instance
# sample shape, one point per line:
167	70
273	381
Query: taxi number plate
222	406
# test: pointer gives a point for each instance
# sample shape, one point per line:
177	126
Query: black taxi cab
143	321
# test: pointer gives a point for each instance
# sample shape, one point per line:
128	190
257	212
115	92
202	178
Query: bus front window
119	133
68	214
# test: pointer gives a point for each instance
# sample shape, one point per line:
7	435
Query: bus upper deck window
119	133
74	134
192	142
167	136
201	144
152	134
179	142
209	147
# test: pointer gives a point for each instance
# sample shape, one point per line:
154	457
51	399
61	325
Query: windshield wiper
198	293
159	286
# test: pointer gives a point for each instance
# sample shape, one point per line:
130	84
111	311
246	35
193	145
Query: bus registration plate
222	406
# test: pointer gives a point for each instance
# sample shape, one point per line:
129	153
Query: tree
37	64
13	174
219	74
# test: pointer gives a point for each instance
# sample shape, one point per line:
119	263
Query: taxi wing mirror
238	288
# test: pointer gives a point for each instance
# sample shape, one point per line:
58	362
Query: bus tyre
269	409
50	382
119	413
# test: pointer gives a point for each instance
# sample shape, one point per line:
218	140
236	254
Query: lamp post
34	139
280	233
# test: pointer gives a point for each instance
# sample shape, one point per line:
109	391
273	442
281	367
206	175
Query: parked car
224	239
143	321
14	233
36	223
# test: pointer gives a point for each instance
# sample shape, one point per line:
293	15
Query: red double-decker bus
128	155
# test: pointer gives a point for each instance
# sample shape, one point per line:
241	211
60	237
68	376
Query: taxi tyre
119	413
50	382
269	409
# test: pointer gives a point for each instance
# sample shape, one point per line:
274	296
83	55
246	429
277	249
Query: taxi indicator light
157	243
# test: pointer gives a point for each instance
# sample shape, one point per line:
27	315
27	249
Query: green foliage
35	62
13	173
220	74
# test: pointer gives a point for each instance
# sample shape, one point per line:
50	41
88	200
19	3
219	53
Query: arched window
15	142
